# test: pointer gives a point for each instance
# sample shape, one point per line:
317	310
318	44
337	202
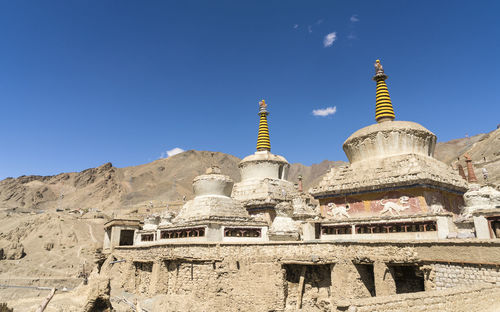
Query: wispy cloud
309	29
329	39
323	112
172	152
295	26
319	21
354	18
352	36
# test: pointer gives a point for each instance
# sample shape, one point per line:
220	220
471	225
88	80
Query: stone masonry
267	276
454	275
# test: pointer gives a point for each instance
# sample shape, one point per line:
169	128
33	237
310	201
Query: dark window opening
408	278
242	232
494	226
336	230
384	228
144	266
126	237
317	230
367	277
147	237
181	233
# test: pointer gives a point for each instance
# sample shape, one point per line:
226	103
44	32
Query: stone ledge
412	243
361	302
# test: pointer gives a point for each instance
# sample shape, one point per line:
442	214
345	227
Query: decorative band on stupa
383	105
263	141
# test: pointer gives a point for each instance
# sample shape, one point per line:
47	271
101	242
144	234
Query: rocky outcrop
13	251
99	295
484	151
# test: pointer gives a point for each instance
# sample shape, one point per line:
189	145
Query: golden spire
383	105
263	142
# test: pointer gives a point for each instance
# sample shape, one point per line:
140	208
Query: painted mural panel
416	201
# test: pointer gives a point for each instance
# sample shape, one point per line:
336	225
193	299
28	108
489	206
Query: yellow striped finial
383	105
263	141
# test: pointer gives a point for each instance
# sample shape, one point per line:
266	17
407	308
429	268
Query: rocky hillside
448	151
484	150
106	188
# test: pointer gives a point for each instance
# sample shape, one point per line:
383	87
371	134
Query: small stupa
212	215
263	175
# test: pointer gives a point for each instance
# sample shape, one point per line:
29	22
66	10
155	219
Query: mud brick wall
264	276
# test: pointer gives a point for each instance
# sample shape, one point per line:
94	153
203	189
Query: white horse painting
391	207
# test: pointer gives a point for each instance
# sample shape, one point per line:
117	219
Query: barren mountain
107	188
449	151
484	150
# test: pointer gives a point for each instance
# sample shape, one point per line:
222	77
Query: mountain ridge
168	180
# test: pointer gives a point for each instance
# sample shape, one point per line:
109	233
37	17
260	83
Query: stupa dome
212	201
390	138
212	183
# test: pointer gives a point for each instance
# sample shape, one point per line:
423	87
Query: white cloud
309	29
354	18
319	21
329	39
172	152
352	36
323	112
295	26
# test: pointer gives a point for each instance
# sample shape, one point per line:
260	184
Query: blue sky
87	82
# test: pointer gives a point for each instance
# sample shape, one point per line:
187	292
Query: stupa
263	176
392	183
211	216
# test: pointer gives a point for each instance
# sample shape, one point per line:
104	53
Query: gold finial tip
378	61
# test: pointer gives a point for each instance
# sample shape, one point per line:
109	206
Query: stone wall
463	299
267	276
453	275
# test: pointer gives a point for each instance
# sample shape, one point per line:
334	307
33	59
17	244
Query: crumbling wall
447	275
201	285
98	298
254	277
143	272
265	292
181	278
313	293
